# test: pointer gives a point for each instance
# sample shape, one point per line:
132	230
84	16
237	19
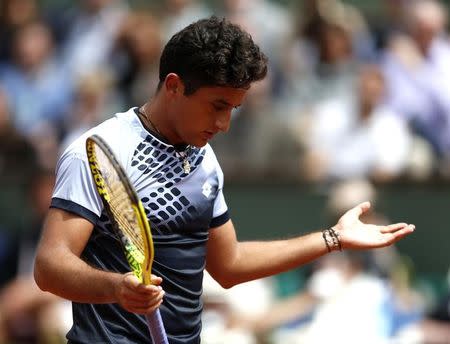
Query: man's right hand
136	297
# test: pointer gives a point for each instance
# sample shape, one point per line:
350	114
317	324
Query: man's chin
199	144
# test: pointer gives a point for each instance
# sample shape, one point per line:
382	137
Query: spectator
93	29
267	22
224	309
404	306
137	56
13	15
321	57
358	136
390	22
313	14
417	74
434	327
180	13
342	283
38	89
94	97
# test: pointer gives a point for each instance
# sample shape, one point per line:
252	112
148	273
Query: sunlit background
356	107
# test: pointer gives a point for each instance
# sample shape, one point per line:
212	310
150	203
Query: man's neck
158	120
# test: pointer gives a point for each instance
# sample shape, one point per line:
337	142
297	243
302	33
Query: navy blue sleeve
74	208
220	220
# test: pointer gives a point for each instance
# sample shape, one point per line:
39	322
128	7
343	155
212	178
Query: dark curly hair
212	52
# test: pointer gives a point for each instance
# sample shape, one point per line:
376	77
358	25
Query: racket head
124	208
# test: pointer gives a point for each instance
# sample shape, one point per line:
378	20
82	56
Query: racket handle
156	326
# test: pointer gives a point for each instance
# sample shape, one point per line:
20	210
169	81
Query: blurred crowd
347	98
345	297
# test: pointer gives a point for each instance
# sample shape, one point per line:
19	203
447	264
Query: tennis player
205	71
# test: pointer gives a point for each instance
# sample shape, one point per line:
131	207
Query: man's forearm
261	259
66	275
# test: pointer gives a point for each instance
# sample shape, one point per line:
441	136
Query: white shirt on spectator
355	147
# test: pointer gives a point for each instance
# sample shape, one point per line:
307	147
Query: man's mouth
209	134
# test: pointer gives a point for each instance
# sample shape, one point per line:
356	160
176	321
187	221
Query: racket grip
156	326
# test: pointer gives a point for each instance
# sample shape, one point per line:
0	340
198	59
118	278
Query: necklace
183	155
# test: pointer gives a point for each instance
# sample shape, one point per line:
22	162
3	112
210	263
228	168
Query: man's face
371	86
198	117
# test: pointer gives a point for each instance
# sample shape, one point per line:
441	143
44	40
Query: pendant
186	165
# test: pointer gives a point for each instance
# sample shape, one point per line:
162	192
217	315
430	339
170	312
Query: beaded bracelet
331	238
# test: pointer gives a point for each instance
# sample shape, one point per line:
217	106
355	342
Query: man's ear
174	85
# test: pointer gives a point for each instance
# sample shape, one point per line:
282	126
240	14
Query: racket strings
121	205
128	227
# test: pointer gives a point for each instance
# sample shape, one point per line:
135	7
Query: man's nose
223	121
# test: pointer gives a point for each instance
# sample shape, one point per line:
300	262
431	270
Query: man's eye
218	107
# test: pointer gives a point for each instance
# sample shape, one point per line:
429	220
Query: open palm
355	234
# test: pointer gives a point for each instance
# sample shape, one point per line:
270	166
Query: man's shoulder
209	156
118	132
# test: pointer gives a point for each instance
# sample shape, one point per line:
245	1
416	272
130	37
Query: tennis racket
127	216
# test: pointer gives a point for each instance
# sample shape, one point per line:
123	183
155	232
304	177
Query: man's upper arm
222	249
63	239
65	230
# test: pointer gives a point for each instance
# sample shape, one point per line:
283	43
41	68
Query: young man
205	72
